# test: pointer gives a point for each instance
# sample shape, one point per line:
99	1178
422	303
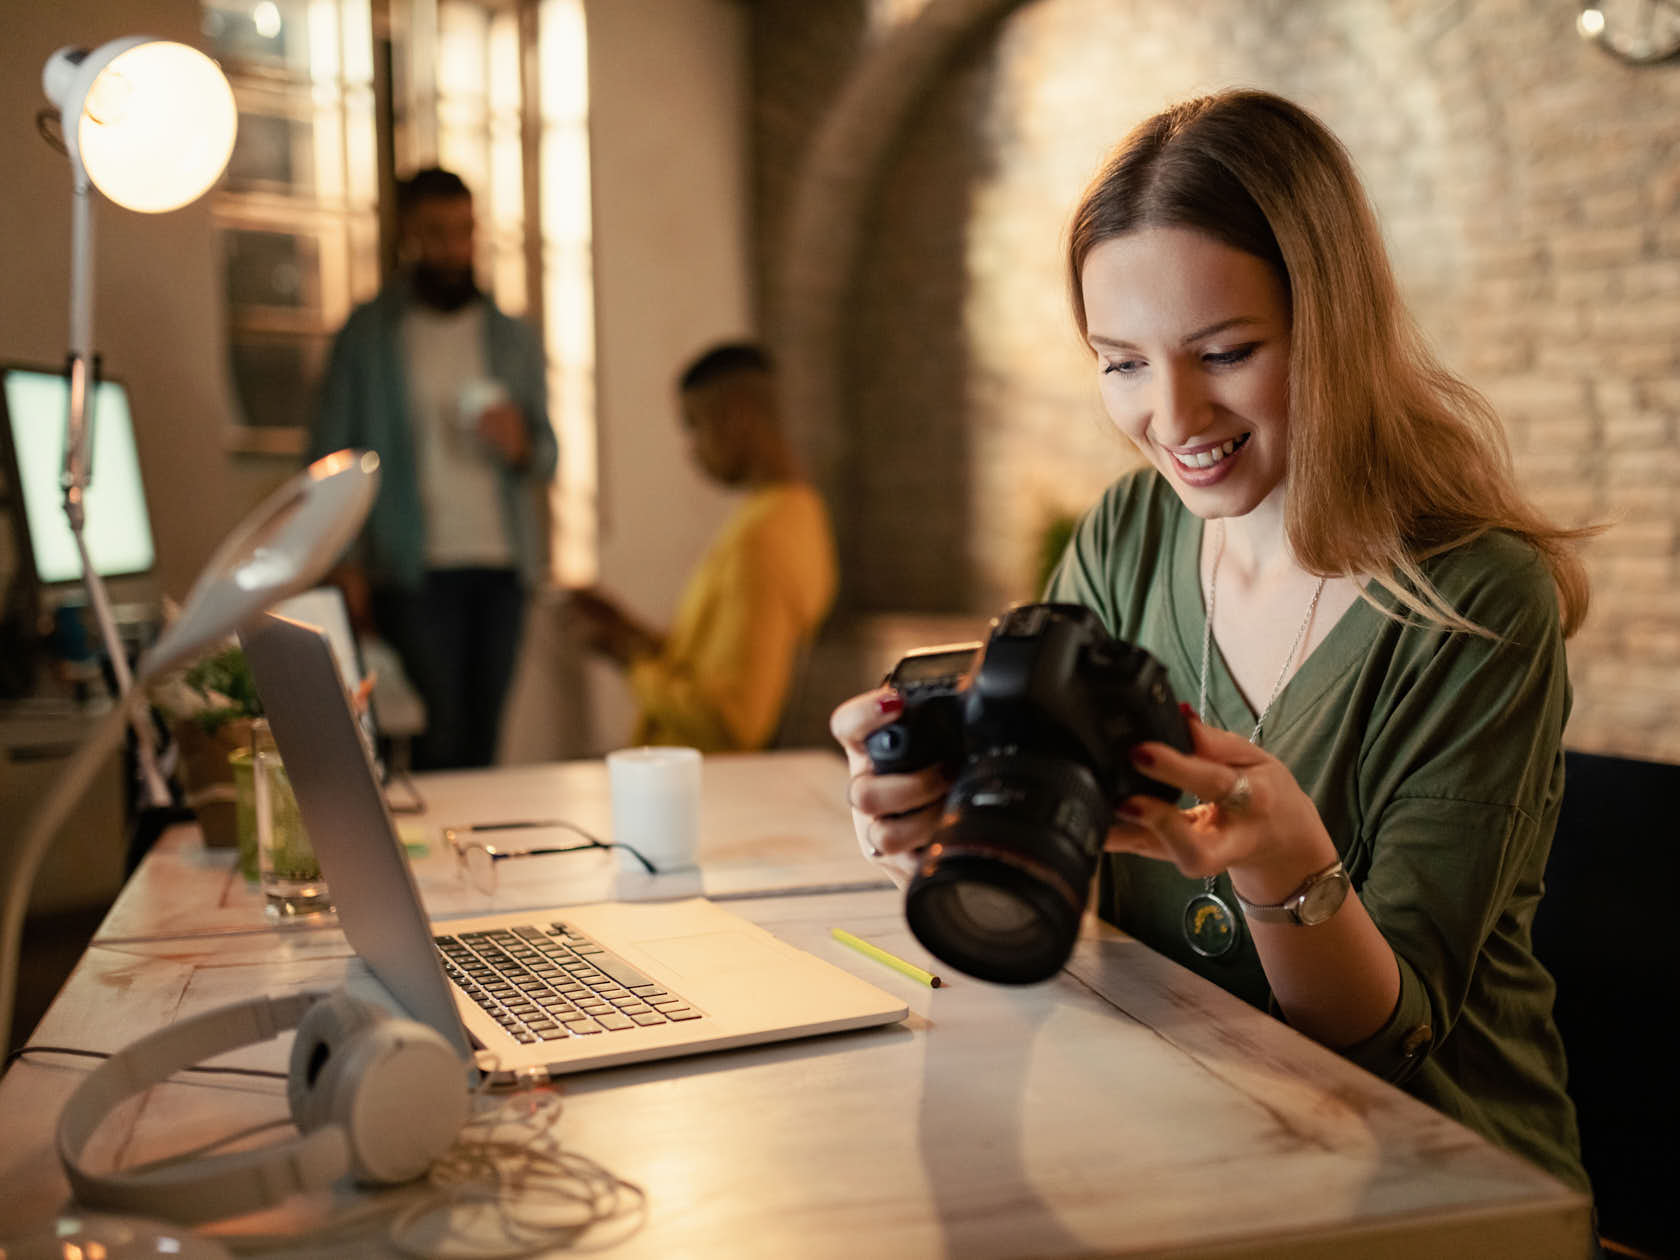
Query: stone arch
829	208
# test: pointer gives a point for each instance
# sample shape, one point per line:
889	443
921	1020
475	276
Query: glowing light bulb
266	19
1590	23
109	99
156	126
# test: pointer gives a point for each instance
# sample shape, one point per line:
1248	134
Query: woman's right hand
894	814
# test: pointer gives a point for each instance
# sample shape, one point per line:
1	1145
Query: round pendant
1209	926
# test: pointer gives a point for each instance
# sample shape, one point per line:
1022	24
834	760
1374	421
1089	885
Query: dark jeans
458	637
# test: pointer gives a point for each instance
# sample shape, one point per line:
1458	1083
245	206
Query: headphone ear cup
323	1037
396	1088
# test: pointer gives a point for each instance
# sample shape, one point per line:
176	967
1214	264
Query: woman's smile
1205	459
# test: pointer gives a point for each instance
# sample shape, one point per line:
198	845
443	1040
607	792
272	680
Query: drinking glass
288	870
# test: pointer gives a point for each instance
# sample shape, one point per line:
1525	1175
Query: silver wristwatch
1319	897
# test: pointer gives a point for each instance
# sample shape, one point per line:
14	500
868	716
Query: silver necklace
1209	926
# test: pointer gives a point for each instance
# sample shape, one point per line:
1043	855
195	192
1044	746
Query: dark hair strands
431	183
728	358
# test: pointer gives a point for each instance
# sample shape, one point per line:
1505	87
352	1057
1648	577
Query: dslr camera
1035	726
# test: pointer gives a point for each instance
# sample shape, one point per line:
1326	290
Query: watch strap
1289	909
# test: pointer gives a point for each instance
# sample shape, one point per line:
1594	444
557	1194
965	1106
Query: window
297	213
568	286
497	92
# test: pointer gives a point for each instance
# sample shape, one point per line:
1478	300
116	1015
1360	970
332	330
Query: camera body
1036	726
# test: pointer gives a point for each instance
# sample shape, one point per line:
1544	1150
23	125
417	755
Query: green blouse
1436	763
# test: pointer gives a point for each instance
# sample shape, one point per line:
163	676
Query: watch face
1637	31
1323	899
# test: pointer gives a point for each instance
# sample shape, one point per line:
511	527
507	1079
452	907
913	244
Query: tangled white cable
506	1189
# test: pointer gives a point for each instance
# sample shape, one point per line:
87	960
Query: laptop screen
36	407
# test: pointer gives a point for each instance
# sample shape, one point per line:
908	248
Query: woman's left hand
1254	819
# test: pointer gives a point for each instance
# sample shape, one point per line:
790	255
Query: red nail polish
891	703
1131	809
1189	713
1143	757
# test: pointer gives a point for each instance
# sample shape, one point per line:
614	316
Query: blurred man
450	391
719	679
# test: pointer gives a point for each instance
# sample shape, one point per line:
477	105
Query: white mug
656	805
475	398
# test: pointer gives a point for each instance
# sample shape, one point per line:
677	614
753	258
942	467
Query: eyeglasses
476	860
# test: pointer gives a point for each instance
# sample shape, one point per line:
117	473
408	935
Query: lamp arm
81	264
43	825
75	477
145	753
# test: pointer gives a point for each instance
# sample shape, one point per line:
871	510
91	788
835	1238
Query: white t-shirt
460	478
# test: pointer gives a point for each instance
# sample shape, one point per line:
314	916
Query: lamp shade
285	544
150	122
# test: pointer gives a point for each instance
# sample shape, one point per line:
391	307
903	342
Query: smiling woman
1326	551
1403	459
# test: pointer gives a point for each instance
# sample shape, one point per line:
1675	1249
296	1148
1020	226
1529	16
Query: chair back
1608	931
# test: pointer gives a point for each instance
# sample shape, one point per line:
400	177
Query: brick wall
1528	185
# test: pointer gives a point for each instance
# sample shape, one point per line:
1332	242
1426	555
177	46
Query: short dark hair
724	360
431	184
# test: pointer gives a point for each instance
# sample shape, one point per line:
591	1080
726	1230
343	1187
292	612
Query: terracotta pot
208	778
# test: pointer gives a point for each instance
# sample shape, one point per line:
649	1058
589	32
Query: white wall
158	301
668	135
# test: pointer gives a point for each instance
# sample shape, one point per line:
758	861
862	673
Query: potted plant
210	706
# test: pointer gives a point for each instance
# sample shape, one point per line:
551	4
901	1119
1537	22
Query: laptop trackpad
714	953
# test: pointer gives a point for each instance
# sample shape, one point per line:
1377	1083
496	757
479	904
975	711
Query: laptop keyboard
548	984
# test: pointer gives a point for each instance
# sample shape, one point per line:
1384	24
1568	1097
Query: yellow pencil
881	956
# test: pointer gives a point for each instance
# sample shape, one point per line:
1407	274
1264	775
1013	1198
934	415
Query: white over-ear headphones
373	1095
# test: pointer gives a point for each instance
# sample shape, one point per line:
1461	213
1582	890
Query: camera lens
995	911
1008	935
1003	887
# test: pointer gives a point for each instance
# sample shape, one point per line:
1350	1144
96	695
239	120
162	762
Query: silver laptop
577	987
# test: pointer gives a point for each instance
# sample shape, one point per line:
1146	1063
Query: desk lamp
150	123
286	545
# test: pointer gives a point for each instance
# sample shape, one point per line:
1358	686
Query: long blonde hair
1403	459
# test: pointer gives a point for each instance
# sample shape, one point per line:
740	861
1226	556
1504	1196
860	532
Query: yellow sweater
747	612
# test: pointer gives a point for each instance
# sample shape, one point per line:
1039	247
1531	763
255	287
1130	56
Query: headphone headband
243	1181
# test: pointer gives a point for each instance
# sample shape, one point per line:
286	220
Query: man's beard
444	288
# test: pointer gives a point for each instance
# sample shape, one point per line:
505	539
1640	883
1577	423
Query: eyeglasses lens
481	868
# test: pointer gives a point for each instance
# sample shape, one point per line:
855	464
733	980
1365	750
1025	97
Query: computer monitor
35	407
